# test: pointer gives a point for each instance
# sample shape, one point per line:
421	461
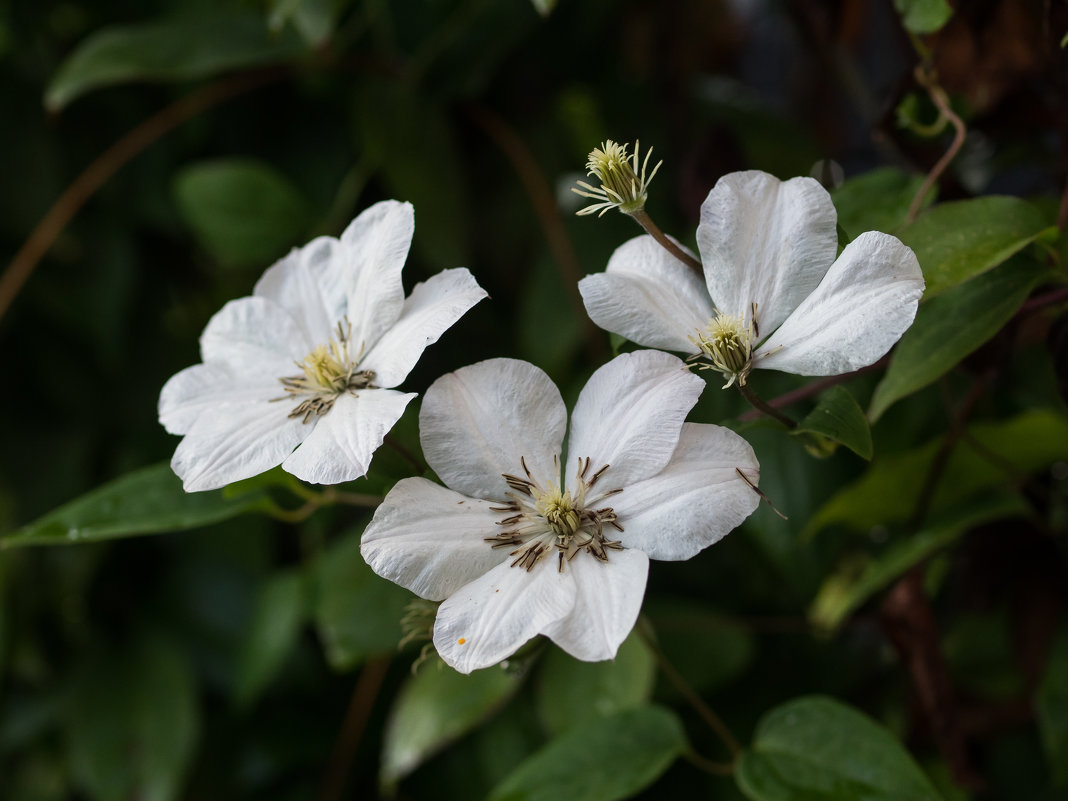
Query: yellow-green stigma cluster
727	342
542	520
621	185
327	371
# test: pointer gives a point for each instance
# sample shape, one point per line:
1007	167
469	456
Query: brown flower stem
766	408
941	100
692	698
108	163
814	388
348	739
708	765
641	216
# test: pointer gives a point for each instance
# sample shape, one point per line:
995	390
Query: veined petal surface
373	250
430	539
694	501
305	283
486	620
428	312
208	387
254	337
860	309
648	296
476	423
608	597
236	442
767	242
340	446
629	415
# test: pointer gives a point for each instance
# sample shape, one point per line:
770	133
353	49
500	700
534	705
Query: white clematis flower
513	548
308	362
773	295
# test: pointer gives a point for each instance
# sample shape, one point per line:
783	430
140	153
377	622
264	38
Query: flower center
546	519
621	186
327	371
727	342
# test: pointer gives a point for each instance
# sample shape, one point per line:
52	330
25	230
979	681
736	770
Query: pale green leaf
923	16
572	692
989	455
179	49
243	212
957	241
607	759
544	7
951	326
838	418
818	749
844	591
147	501
875	201
435	707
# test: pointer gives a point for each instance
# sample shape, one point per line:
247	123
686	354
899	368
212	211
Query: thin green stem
766	408
692	698
641	216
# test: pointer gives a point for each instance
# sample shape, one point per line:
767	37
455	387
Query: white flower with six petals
301	373
772	295
512	550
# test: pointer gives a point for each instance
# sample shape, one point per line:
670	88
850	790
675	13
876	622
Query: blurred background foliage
173	150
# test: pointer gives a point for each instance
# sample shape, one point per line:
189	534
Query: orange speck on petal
461	641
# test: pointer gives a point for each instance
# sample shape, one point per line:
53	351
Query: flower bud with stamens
727	342
621	185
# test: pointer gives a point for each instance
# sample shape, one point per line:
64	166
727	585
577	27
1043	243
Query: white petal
345	438
433	306
373	250
609	597
306	284
648	296
205	387
236	442
477	422
629	415
765	241
431	539
695	501
256	337
856	314
485	621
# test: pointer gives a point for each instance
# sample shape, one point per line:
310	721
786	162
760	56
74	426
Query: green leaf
1052	708
990	455
435	707
875	201
846	590
957	241
607	759
818	749
314	20
572	692
242	211
923	16
146	501
180	49
281	610
544	7
357	612
839	418
951	326
132	723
